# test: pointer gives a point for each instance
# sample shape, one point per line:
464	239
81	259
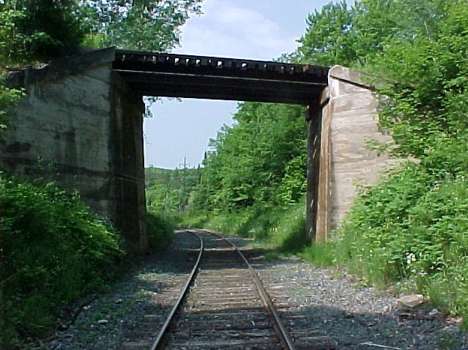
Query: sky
249	29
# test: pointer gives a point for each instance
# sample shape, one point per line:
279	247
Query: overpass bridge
83	117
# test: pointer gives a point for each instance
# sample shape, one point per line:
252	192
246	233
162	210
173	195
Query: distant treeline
168	190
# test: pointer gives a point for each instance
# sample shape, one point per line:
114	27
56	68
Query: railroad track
223	305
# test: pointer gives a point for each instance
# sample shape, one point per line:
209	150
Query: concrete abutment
347	116
82	126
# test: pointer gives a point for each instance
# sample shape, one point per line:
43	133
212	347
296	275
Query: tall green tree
253	161
138	24
329	36
352	35
43	29
38	29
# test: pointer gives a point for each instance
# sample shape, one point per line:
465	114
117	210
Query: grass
322	254
282	230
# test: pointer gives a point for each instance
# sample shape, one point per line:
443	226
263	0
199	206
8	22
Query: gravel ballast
152	287
332	303
355	316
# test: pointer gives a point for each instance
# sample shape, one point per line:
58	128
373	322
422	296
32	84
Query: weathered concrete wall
128	163
315	117
81	126
349	122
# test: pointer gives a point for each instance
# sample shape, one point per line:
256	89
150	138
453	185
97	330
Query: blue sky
256	29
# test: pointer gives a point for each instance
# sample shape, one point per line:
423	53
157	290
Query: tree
138	24
42	29
353	35
328	38
255	159
38	29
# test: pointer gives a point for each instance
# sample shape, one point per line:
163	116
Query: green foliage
428	100
140	25
42	29
329	39
8	98
38	29
160	230
168	191
413	225
353	35
53	250
259	160
293	184
321	254
281	229
288	233
34	30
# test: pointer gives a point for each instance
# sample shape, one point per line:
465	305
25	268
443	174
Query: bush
53	250
412	226
160	230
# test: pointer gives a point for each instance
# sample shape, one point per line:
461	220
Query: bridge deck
173	75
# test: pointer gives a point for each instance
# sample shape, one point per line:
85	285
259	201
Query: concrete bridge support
340	160
81	126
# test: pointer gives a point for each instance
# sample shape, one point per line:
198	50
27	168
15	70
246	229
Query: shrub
160	230
412	226
53	250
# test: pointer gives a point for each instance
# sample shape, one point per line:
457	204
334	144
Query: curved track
223	305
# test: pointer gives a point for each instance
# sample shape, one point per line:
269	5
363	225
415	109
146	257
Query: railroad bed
223	306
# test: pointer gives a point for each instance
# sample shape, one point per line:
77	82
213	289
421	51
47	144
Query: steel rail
159	340
278	325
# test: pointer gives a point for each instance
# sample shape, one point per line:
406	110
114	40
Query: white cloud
225	29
